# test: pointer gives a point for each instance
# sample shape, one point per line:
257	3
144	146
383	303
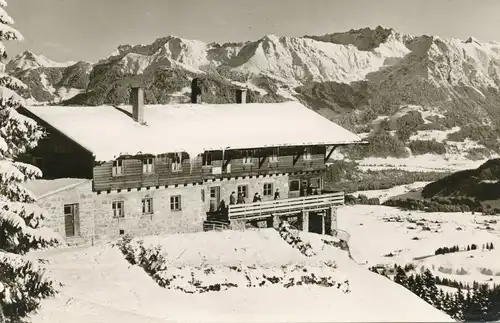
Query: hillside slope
482	183
100	286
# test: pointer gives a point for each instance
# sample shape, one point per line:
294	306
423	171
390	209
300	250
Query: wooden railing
285	206
212	225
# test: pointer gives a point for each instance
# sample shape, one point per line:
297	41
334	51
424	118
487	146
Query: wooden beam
262	160
330	153
296	158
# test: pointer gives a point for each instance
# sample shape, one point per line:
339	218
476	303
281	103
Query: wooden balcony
285	206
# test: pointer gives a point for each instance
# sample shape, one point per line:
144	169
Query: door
71	224
316	222
214	198
293	188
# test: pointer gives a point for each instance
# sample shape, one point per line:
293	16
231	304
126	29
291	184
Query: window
268	189
243	189
177	162
118	209
207	159
315	182
147	206
175	203
274	156
117	167
247	156
307	154
294	185
147	165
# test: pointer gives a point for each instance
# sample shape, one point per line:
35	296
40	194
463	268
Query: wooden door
316	222
71	224
214	198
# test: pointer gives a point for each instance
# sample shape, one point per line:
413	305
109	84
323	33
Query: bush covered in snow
292	237
22	287
207	278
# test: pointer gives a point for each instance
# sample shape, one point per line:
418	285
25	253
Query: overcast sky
91	29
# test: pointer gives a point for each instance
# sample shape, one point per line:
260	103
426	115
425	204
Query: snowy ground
384	195
100	286
421	163
390	230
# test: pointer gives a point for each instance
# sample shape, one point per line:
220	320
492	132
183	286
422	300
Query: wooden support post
329	154
276	221
226	163
333	215
305	221
323	216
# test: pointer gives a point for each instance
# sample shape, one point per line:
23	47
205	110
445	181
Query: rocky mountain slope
49	81
409	94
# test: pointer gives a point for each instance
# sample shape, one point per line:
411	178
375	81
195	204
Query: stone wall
163	220
96	220
54	205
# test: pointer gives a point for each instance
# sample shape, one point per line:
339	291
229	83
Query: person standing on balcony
256	197
232	198
309	190
277	194
241	199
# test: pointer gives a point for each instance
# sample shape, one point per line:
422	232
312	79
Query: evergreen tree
418	288
21	284
468	247
401	277
430	290
458	305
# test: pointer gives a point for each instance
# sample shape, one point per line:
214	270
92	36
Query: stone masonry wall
96	220
54	205
163	220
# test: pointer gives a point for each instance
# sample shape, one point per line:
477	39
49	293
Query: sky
71	30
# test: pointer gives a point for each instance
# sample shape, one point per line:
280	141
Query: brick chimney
138	104
241	96
195	91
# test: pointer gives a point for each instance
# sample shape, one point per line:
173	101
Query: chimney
195	91
241	96
138	104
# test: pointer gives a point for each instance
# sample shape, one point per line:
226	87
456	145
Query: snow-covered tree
21	284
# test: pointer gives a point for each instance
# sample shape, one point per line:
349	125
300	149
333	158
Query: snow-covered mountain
423	94
48	80
29	60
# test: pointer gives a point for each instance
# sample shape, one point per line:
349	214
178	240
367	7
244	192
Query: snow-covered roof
109	132
45	187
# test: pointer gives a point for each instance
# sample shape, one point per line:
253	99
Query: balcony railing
285	206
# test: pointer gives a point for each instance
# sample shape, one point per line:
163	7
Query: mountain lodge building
156	169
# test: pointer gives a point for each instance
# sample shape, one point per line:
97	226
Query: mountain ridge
392	87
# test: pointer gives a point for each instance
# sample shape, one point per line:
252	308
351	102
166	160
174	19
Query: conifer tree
21	284
401	277
430	289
